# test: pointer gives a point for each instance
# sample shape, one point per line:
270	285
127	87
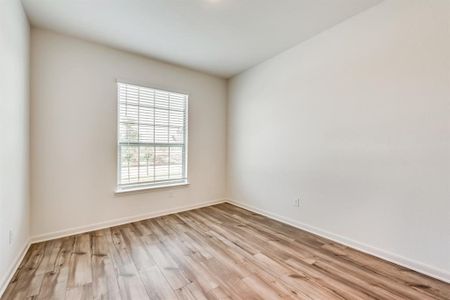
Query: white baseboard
120	221
394	258
13	268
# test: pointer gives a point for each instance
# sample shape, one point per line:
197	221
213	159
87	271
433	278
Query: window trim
137	188
150	185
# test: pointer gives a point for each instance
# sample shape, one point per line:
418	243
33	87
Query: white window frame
120	188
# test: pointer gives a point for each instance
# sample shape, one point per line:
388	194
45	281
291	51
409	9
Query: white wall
355	121
14	166
73	133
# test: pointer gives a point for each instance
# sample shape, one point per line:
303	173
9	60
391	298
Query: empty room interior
225	149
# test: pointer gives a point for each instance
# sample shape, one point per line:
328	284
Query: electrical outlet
11	236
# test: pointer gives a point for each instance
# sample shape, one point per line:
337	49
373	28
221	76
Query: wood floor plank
130	284
55	281
80	292
156	284
105	283
217	252
80	273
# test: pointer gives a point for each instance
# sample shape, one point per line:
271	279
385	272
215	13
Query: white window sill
120	190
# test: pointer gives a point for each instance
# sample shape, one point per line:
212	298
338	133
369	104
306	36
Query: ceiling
220	37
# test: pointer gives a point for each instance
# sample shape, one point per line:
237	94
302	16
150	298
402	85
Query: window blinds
152	136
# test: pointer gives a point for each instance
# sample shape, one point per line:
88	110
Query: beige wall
14	163
356	123
73	133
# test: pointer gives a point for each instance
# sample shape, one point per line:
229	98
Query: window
152	137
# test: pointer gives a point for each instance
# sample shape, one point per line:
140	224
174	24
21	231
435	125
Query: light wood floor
218	252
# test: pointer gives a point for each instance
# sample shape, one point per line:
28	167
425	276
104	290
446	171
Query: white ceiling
221	37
